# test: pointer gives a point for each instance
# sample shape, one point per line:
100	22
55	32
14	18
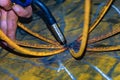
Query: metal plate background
94	65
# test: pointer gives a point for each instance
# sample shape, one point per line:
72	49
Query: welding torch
47	17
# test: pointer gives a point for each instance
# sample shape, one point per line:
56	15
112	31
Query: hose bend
85	32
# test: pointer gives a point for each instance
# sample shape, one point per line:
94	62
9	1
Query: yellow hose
85	32
98	19
26	51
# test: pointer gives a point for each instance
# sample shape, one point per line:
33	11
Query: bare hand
9	17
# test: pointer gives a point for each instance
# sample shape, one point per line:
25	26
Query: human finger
6	4
12	24
22	12
3	21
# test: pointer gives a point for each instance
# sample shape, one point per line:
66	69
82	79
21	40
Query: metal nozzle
56	31
51	22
